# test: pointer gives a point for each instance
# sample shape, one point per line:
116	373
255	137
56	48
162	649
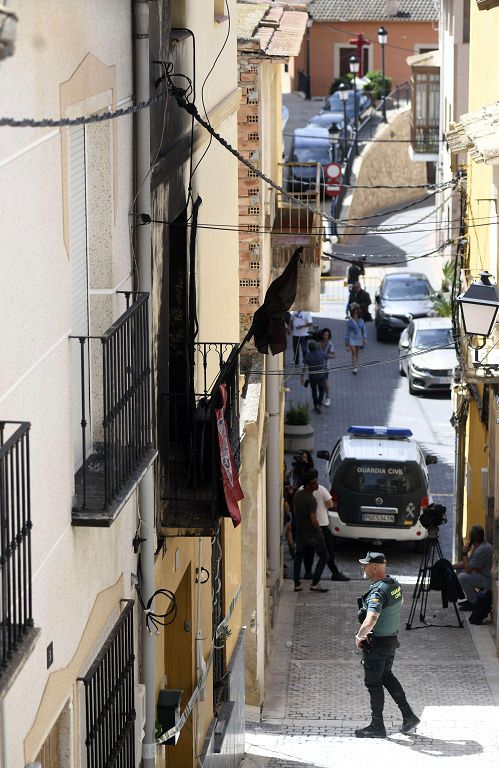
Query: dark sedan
401	297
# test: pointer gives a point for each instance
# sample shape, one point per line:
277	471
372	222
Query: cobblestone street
316	697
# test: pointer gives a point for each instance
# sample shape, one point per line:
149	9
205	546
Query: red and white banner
232	489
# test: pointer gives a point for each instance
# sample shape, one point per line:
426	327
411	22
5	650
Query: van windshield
380	477
313	153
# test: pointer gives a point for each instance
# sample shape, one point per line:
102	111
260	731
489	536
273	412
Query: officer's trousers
378	675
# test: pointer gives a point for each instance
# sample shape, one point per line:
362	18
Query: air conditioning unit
140	720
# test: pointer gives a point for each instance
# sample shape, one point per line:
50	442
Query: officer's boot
375	730
410	720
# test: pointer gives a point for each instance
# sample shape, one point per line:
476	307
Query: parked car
401	297
379	485
334	105
427	355
310	145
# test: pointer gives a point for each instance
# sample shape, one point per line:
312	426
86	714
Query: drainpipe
144	283
273	473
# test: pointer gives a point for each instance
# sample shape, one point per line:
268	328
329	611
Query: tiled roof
275	28
476	132
374	10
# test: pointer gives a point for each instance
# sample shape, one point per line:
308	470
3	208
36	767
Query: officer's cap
373	557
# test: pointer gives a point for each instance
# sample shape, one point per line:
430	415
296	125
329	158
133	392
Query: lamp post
479	306
343	91
354	69
382	40
334	134
308	92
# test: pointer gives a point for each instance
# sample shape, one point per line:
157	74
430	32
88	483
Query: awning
477	133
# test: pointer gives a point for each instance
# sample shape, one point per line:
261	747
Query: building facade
412	27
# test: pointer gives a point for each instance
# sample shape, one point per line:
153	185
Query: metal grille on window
109	699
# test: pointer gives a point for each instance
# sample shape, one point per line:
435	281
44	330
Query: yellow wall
483	89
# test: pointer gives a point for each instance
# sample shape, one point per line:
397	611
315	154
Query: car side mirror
323	455
430	458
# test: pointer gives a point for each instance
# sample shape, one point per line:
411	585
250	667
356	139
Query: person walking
308	532
356	335
324	502
361	297
379	612
316	361
300	323
355	270
326	345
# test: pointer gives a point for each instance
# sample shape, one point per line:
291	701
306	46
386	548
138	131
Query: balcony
121	446
425	116
293	225
17	632
192	495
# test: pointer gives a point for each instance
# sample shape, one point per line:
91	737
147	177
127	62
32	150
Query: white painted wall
71	566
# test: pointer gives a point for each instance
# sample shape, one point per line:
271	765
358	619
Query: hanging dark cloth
443	579
268	326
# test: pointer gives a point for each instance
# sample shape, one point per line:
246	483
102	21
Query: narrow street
316	693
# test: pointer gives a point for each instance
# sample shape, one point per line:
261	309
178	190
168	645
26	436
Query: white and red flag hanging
232	490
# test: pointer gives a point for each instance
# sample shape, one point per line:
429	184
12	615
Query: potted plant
298	431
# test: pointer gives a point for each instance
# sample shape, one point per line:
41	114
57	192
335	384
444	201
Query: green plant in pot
297	415
298	431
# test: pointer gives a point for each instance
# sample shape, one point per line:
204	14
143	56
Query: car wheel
412	391
401	370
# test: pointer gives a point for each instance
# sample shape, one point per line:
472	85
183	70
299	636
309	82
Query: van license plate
370	517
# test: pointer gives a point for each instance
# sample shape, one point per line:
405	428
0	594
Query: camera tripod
432	553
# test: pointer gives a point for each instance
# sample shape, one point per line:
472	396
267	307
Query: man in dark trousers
308	531
379	610
361	297
324	502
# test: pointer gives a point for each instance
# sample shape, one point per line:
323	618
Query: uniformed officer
377	637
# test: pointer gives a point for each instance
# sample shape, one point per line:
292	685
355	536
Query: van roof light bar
360	431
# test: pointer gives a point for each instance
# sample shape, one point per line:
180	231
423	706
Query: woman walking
326	345
356	335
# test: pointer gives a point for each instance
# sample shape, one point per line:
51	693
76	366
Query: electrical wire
156	620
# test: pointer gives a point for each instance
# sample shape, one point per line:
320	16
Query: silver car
427	355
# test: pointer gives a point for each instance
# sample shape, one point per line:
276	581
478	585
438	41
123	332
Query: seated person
474	568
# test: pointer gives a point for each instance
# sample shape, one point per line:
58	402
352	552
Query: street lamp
382	40
334	131
354	69
343	91
479	305
308	92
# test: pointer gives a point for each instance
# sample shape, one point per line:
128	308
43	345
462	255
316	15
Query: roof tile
373	10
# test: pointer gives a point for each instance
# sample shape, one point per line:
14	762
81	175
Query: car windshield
433	338
312	154
397	290
380	477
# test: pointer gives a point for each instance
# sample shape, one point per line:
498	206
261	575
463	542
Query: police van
379	485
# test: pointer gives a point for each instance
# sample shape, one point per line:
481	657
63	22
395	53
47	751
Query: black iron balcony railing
192	489
16	616
425	139
110	699
121	449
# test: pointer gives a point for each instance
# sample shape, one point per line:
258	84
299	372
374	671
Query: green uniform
385	598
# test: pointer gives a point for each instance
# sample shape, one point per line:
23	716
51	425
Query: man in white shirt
325	502
300	324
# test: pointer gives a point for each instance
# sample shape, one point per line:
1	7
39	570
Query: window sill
221	19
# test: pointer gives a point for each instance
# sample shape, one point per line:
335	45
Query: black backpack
483	607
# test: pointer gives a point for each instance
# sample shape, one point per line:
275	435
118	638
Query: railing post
83	422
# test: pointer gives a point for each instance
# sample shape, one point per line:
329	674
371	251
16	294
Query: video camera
433	516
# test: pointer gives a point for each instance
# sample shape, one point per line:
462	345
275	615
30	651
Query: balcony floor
94	514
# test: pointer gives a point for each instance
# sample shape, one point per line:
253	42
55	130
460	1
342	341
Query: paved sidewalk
316	697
